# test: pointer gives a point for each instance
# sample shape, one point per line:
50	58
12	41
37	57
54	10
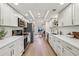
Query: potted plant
2	34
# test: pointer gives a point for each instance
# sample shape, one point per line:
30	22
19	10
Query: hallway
39	47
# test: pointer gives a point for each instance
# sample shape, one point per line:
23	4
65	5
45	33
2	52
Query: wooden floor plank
39	47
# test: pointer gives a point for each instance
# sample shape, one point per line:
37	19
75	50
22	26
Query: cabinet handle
11	53
62	49
72	21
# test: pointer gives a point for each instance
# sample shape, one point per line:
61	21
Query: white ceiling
31	10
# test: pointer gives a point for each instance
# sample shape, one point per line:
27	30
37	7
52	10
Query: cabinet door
5	51
12	49
60	22
65	52
20	46
7	16
65	16
68	15
76	13
60	19
71	48
0	13
51	41
13	20
3	14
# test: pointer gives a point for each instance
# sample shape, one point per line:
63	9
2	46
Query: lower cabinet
71	49
63	48
55	44
15	48
65	52
20	44
7	50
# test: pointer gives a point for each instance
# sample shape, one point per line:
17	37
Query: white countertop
8	40
73	41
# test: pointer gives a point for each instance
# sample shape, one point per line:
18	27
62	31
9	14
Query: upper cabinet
60	19
0	13
69	16
76	13
7	17
65	16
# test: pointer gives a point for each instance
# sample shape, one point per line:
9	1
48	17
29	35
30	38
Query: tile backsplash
68	29
9	30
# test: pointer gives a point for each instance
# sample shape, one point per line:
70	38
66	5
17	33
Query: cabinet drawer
65	52
4	50
71	48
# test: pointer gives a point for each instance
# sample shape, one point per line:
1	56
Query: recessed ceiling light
16	3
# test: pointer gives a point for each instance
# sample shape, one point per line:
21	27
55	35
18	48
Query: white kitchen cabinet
72	50
14	20
65	52
0	13
60	19
3	14
8	50
15	48
5	51
12	49
65	16
76	13
20	46
50	41
56	44
68	15
7	16
61	47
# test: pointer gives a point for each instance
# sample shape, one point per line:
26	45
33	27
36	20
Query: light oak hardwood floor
39	47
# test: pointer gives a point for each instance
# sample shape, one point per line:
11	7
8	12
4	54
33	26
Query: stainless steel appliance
19	33
16	32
